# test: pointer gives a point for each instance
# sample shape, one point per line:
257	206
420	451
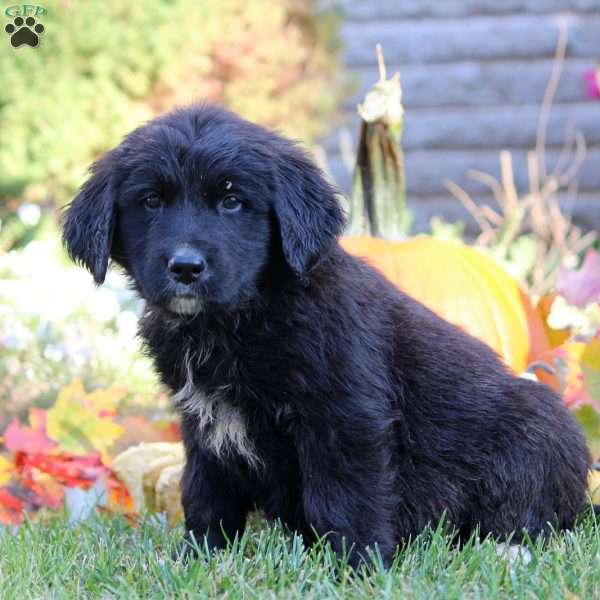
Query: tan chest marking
222	426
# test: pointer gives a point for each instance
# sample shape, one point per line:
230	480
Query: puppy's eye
152	202
231	203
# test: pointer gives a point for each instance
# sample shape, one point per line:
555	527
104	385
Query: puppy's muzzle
187	265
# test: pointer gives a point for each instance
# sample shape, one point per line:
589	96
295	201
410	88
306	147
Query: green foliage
105	67
445	230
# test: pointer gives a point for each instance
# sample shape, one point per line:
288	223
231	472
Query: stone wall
473	77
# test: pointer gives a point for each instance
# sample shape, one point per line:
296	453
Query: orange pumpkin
463	286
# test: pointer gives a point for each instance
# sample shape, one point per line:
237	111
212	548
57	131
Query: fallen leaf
119	498
47	491
7	468
11	507
76	471
81	423
30	438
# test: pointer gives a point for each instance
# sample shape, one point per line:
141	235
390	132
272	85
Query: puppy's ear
88	222
310	217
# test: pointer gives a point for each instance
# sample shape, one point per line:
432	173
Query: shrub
104	67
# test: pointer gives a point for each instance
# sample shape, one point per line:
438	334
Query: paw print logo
24	32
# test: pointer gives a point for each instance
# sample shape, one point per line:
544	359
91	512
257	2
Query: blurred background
495	131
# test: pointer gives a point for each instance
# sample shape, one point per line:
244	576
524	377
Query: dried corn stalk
378	204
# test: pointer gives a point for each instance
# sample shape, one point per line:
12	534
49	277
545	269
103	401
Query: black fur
367	417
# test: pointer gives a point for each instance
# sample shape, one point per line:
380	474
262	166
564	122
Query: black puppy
309	386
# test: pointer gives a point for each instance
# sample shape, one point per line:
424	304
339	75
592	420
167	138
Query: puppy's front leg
346	498
215	508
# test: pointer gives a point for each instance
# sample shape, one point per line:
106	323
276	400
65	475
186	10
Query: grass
106	557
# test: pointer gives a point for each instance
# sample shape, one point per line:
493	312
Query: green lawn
107	558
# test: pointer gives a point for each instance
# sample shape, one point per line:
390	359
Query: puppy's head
195	204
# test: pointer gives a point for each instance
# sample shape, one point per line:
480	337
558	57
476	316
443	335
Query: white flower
103	305
584	322
29	213
127	323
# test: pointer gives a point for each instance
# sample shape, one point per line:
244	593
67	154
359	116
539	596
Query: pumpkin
463	286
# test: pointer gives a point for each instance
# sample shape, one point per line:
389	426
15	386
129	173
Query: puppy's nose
186	265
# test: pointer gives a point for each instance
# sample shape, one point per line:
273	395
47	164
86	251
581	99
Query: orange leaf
28	495
76	471
119	498
45	489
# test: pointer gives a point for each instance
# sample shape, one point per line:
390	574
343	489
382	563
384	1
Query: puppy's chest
233	414
221	423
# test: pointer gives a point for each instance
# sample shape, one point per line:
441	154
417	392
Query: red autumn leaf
15	500
29	494
33	438
75	471
40	481
43	489
48	492
11	508
9	501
